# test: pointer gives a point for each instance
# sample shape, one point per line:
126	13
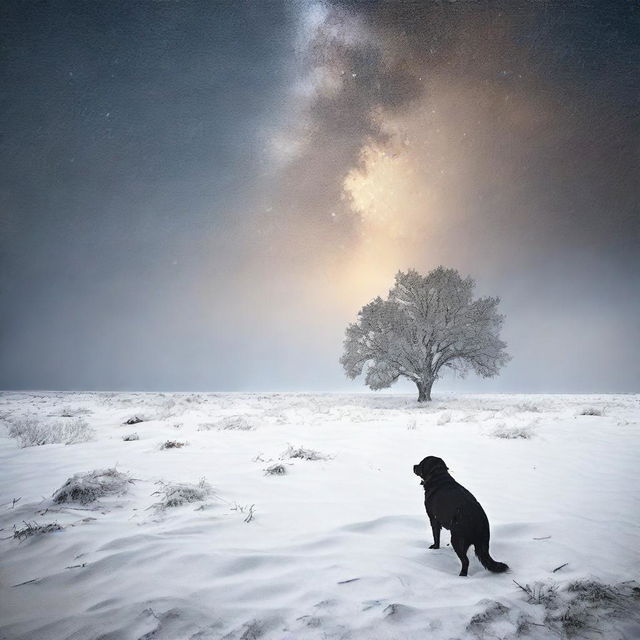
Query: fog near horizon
201	196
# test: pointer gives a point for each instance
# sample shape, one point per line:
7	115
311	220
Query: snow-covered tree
428	323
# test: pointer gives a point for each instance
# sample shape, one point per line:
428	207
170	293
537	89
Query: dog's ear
440	465
433	466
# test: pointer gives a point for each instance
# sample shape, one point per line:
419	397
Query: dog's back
454	507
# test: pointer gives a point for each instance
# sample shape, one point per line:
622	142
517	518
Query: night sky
201	195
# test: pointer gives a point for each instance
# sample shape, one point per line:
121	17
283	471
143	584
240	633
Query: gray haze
200	196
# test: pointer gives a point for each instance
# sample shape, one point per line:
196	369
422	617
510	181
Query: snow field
335	547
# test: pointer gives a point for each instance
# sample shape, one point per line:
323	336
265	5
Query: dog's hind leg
461	546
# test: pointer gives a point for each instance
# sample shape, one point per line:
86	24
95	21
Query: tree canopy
427	324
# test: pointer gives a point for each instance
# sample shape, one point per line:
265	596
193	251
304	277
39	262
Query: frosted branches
427	323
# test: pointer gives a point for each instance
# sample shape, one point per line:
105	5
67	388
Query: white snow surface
336	547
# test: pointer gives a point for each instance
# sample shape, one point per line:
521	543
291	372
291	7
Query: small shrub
30	432
513	433
172	444
591	411
76	431
34	529
88	487
275	470
130	437
230	423
177	494
302	454
133	420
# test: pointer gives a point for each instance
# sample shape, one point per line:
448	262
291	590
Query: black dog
451	506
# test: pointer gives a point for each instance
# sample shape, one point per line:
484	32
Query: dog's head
430	467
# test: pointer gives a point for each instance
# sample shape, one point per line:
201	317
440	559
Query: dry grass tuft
88	487
247	509
512	433
34	529
275	470
236	423
173	494
172	444
584	607
303	454
591	411
540	593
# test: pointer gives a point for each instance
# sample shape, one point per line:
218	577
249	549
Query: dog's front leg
435	529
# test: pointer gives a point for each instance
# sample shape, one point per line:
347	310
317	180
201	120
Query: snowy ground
335	547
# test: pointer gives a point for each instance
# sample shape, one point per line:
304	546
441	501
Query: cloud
455	133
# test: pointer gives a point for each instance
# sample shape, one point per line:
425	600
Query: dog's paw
434	546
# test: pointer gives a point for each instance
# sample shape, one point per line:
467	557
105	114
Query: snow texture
338	546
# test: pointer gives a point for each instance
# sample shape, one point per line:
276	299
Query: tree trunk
424	390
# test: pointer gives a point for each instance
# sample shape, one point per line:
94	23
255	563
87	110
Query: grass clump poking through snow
248	510
540	593
513	433
172	444
584	607
34	529
593	591
176	494
591	411
478	623
30	432
302	454
130	437
230	423
88	487
275	470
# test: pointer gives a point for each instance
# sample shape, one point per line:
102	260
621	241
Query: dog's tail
482	551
